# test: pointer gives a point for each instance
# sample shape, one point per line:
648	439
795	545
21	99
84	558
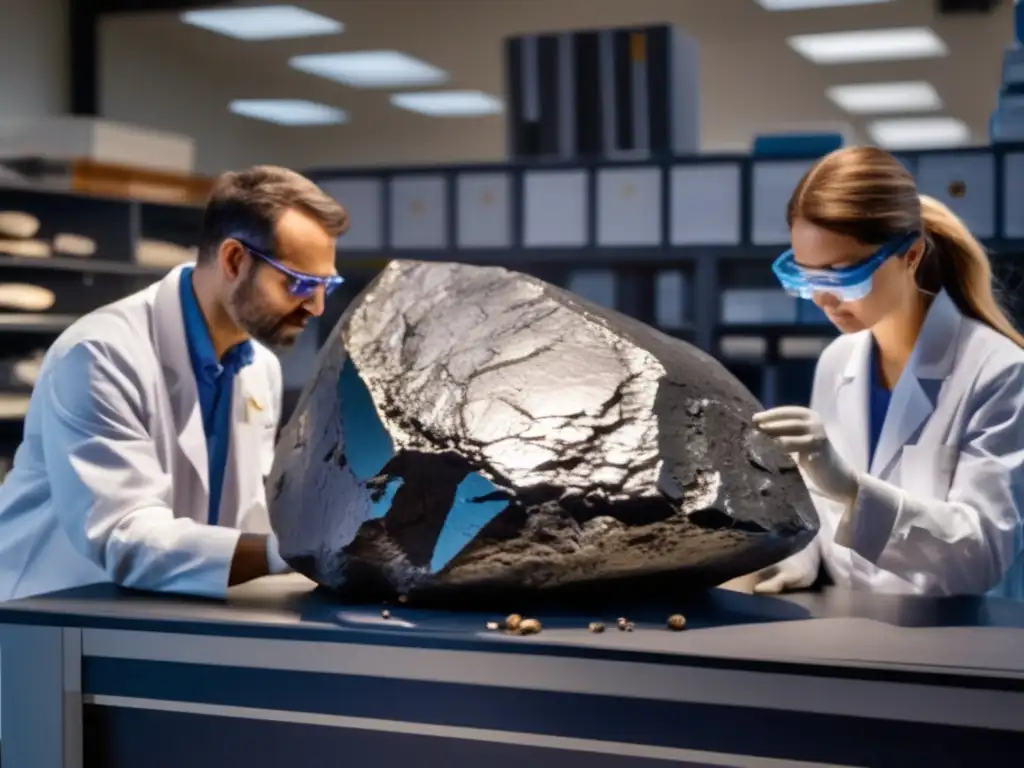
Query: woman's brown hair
866	193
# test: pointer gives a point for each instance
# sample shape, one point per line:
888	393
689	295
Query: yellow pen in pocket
251	404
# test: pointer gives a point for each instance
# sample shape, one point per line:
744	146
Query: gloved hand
799	431
796	572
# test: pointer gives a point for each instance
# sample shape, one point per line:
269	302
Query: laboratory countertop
979	641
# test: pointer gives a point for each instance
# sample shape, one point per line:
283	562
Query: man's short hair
248	204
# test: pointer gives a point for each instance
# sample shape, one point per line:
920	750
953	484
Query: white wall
33	56
157	72
161	72
145	81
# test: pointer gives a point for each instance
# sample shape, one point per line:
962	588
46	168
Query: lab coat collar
251	418
936	348
172	350
913	398
852	402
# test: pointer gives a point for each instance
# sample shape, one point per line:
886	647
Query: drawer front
773	185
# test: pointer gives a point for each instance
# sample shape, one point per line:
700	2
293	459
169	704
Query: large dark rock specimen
474	433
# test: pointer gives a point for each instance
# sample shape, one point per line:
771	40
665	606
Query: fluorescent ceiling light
879	98
448	103
869	45
289	111
800	5
370	69
919	133
264	22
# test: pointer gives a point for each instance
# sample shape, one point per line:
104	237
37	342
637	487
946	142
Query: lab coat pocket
926	471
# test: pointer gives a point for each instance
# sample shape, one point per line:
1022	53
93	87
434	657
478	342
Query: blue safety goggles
300	285
845	283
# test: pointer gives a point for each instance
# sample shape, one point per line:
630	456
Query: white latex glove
799	431
275	563
793	573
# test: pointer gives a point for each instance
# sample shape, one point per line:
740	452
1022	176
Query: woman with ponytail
913	445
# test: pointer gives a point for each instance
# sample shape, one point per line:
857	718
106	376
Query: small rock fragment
629	626
529	627
512	622
385	614
677	622
492	625
596	627
622	622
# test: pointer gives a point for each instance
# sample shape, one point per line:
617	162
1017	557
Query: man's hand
255	556
799	431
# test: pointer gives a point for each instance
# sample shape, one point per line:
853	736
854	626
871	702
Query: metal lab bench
280	674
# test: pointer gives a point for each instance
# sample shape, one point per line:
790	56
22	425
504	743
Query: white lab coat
939	511
110	483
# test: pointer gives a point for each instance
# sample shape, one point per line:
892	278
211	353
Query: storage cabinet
772	184
966	183
706	204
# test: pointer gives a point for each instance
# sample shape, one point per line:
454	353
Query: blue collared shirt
214	381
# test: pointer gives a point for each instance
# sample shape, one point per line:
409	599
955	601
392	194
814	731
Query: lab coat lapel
172	349
243	474
852	404
913	398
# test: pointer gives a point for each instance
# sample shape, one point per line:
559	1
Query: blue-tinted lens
303	287
847	283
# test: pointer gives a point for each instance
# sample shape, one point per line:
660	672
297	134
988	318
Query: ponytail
956	262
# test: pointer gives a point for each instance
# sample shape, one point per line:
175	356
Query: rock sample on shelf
160	255
70	244
473	434
17	230
18	225
27	249
13	406
26	297
25	370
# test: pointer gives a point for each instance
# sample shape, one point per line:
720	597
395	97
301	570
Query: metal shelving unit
717	221
79	284
681	242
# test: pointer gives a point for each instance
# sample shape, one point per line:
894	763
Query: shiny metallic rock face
473	432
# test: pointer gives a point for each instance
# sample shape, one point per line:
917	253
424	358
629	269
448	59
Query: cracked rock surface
613	459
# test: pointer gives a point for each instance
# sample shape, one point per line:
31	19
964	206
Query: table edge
894	672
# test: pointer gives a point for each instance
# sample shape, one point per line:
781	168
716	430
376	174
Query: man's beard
251	314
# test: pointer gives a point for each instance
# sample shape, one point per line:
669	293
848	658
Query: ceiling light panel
882	98
919	133
370	69
264	22
897	43
801	5
291	112
448	103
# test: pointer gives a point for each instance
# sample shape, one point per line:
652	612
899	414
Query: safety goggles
300	285
845	283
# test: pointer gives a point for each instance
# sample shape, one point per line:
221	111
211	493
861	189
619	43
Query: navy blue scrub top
214	381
